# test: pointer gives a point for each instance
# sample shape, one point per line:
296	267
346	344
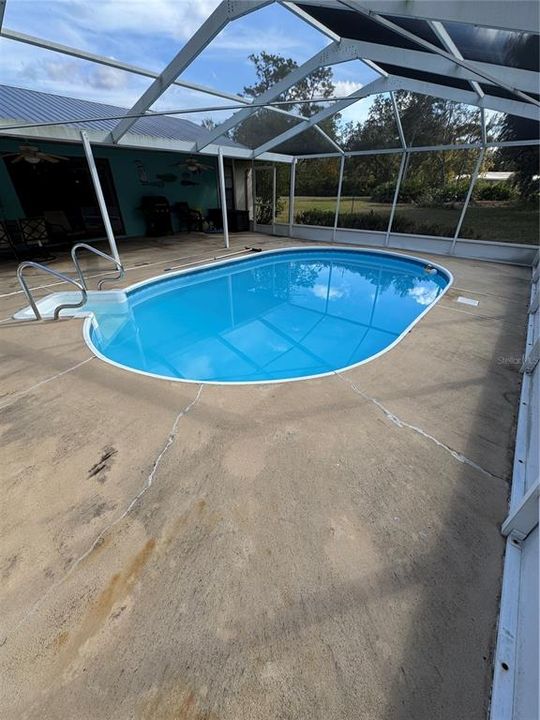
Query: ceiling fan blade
56	157
48	158
17	159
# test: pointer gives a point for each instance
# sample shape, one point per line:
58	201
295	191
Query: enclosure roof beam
430	148
377	86
331	54
428	62
513	107
306	17
490	102
310	20
360	8
222	15
110	62
371	53
517	16
441	32
329	139
397	116
2	11
134	69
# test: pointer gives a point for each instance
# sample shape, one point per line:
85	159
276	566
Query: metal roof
30	106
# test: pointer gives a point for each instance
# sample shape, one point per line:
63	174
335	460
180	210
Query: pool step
97	300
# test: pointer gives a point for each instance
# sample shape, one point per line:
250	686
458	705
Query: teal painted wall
129	188
10	207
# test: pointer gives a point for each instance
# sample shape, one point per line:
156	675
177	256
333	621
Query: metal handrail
91	248
60	276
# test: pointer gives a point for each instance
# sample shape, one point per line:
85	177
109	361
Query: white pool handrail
60	276
91	248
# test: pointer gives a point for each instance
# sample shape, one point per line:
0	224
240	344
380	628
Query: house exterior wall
129	188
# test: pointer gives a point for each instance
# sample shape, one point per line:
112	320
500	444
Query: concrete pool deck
325	549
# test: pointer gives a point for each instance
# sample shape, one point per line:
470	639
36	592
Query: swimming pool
270	317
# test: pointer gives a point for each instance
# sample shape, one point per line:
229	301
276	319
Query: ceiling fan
33	155
194	166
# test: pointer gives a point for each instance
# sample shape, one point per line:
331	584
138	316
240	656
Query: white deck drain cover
467	301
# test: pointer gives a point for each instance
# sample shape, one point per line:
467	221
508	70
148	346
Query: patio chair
60	229
35	238
6	243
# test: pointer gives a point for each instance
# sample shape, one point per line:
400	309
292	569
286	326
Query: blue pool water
271	316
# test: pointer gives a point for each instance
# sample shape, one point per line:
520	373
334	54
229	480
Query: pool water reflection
273	316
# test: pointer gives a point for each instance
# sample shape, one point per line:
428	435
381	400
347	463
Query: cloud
108	78
321	291
358	111
346	87
67	19
424	295
247	39
147	33
36	69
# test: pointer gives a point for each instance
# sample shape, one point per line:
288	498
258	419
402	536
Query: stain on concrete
175	702
103	465
117	589
9	566
60	640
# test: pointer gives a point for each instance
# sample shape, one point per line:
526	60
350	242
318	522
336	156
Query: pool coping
89	319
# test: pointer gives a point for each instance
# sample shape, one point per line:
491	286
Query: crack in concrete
21	393
403	424
100	537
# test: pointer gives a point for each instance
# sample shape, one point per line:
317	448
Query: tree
522	161
265	124
425	121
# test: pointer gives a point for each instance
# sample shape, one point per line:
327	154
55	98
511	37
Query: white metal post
338	199
291	196
223	198
99	194
474	178
483	126
398	121
274	188
254	193
396	195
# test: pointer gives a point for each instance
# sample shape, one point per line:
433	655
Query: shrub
357	221
450	192
371	221
265	207
409	191
364	221
384	193
494	191
324	218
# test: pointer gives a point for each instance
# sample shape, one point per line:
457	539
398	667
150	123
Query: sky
148	33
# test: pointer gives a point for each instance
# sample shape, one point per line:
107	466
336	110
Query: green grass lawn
502	222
